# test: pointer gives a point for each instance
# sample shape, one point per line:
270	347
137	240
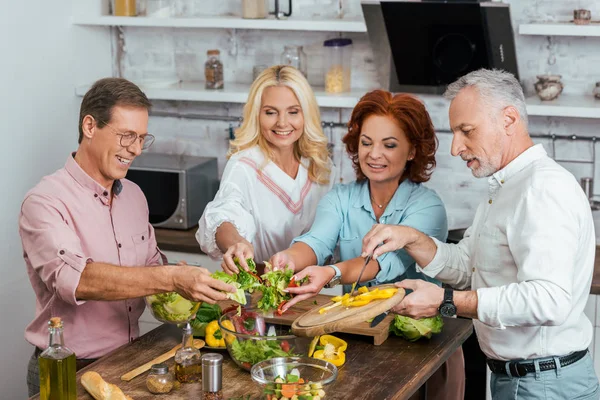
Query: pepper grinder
212	375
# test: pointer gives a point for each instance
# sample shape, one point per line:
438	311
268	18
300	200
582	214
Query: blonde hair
312	143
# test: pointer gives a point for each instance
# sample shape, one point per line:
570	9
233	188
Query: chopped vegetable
332	351
413	329
293	387
313	345
205	314
172	307
253	351
239	295
363	298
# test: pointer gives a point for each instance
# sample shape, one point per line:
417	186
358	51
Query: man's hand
391	237
281	261
317	278
424	301
242	251
195	283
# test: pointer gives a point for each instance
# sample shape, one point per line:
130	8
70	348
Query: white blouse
267	206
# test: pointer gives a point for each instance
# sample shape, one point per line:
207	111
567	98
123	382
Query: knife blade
361	274
379	318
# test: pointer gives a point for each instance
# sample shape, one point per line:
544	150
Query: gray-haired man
528	258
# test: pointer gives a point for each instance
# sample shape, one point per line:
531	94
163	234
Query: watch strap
336	278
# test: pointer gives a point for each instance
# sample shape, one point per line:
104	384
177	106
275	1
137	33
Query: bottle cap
213	52
160	369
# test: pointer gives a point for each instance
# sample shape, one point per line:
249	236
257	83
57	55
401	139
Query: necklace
379	205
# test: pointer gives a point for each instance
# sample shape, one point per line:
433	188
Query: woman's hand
391	238
281	261
317	278
242	250
423	302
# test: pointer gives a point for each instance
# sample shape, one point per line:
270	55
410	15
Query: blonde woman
278	170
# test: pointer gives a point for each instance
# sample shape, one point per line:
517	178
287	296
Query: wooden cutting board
349	319
357	326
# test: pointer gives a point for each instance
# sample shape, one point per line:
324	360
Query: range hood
422	46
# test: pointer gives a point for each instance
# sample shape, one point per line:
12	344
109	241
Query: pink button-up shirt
66	222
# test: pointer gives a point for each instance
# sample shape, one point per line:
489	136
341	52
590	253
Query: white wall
38	120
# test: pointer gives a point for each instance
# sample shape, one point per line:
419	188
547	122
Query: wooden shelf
233	93
565	106
333	25
560	29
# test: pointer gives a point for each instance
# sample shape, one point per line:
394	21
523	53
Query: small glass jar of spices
213	70
212	377
159	380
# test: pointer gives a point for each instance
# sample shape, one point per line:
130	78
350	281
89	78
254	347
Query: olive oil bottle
57	367
188	362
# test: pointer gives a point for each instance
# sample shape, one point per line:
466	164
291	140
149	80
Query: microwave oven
177	187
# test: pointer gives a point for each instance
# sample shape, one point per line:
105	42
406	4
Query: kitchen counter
185	241
394	370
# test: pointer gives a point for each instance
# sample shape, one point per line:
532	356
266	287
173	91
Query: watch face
448	310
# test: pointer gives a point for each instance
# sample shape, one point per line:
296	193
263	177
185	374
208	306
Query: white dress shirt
530	256
267	206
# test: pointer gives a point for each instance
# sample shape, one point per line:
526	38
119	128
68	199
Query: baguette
100	389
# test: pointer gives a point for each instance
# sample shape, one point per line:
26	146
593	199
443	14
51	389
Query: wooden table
394	370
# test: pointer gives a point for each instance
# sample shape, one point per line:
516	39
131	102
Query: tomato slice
280	307
293	282
285	346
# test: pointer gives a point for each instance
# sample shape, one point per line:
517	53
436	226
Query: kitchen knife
379	318
384	314
361	274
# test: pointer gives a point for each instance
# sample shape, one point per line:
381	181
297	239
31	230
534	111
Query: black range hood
422	46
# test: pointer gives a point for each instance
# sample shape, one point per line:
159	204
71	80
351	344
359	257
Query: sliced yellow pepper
214	337
229	338
363	289
359	303
333	350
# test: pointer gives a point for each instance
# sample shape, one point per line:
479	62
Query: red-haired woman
392	143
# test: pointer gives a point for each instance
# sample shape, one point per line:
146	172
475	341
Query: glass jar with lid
213	70
296	57
338	61
159	380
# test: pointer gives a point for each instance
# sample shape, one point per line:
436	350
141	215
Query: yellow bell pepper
214	337
229	338
332	351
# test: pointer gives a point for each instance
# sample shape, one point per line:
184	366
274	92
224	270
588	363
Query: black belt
79	362
522	368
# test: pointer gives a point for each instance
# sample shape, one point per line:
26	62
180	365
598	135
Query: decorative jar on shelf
548	87
213	70
295	56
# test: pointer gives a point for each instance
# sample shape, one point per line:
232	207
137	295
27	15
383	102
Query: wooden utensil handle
198	343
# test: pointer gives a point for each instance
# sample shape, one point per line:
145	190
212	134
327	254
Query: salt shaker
212	376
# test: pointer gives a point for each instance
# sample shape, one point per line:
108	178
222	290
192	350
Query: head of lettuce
171	307
414	329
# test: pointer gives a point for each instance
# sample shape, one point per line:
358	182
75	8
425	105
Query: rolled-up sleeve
325	230
229	205
52	247
428	217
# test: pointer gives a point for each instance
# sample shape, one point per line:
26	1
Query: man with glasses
90	252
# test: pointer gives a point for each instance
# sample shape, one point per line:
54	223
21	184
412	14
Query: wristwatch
447	308
337	278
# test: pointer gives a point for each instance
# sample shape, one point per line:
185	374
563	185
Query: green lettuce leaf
414	329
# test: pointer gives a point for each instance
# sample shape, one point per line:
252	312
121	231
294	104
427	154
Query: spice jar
296	57
212	375
159	380
213	70
338	59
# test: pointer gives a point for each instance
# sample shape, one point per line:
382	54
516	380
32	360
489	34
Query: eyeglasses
127	139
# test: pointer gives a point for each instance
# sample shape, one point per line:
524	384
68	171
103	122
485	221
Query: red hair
411	116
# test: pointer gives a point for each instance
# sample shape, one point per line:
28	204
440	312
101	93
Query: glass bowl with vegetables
250	339
171	307
294	377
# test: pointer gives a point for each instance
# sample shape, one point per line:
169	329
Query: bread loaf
100	389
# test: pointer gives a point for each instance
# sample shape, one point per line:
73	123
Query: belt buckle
516	369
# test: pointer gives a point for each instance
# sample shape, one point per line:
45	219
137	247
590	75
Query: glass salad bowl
171	307
250	339
294	377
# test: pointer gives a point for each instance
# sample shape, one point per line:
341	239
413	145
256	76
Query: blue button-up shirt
345	215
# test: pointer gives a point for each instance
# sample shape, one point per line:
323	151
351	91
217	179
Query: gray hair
497	88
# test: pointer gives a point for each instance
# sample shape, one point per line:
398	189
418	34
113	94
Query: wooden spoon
198	343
